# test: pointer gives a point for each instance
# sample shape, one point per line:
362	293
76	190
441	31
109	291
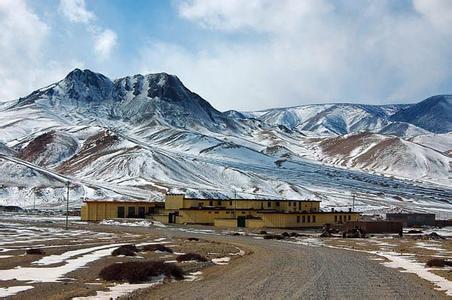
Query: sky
242	55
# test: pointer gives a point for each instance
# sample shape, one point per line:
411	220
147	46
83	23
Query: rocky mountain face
144	135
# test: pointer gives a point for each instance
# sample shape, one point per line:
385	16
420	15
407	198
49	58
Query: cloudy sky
237	54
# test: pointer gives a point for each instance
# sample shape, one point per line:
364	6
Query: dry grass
438	262
191	256
127	250
140	271
157	247
273	237
35	251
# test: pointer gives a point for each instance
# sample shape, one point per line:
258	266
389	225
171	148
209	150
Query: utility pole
235	203
67	206
353	201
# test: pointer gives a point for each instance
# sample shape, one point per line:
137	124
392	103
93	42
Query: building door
171	218
121	212
141	212
131	212
241	221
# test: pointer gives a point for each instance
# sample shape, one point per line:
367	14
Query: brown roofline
123	201
272	200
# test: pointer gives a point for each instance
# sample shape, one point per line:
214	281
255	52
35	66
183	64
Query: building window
243	212
210	203
335	218
230	203
313	219
219	203
131	212
227	212
349	217
309	219
298	219
210	212
269	204
277	203
290	203
216	212
299	205
340	218
303	219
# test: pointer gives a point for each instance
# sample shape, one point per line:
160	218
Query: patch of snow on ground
221	260
12	290
122	289
142	223
54	274
55	259
193	276
411	266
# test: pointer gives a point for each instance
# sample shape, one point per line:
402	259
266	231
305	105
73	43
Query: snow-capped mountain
433	114
141	136
338	119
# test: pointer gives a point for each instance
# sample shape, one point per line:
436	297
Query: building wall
174	202
276	220
206	216
254	223
414	219
374	226
97	211
225	223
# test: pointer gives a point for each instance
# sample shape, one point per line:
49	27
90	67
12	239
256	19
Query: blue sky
244	55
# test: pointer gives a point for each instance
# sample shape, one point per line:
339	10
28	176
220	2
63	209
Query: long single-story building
252	213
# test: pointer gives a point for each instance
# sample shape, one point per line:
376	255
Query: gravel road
279	270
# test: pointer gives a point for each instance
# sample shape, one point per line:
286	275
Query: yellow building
98	210
252	213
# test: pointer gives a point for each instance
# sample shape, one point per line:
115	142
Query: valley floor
242	265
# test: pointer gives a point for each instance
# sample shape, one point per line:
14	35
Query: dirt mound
140	271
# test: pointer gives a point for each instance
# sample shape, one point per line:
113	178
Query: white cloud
438	12
302	51
105	42
23	42
76	11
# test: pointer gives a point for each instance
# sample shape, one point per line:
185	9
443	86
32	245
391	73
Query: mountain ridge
149	134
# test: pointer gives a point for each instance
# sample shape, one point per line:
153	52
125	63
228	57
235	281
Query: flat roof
273	200
241	199
266	211
123	201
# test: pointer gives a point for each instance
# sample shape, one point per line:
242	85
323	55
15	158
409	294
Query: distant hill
433	114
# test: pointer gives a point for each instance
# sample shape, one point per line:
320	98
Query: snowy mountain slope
330	119
401	129
439	142
433	114
386	154
143	135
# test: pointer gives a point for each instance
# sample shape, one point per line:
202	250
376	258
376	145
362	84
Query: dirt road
279	270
